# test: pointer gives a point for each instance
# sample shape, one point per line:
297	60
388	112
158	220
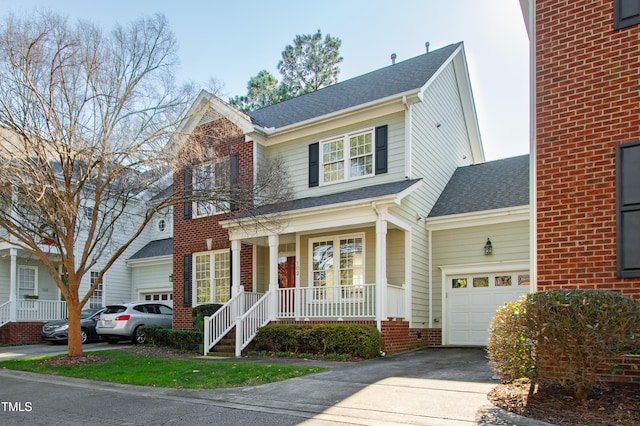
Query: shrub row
199	312
183	340
563	335
357	340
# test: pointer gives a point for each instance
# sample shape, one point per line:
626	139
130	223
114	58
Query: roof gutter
399	97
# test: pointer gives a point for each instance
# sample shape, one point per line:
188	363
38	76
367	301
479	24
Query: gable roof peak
394	79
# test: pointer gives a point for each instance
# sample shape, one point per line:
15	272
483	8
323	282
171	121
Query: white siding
436	153
150	278
464	246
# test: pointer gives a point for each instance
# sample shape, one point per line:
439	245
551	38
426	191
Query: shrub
199	312
356	340
511	343
564	336
183	340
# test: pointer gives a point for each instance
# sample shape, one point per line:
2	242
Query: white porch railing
41	310
395	302
353	301
5	313
248	324
220	323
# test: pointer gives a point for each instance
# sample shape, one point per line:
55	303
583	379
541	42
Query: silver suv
122	322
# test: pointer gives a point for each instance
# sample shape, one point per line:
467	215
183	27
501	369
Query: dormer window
348	156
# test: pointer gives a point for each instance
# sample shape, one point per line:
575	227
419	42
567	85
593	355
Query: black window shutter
628	209
625	13
314	164
381	150
234	179
188	186
186	280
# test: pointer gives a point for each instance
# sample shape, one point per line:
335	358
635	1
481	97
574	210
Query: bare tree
86	119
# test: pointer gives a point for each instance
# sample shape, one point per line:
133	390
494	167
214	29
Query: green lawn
136	369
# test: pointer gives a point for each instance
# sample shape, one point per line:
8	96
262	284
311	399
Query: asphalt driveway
431	386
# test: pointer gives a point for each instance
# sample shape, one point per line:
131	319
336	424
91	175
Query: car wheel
138	336
112	341
84	335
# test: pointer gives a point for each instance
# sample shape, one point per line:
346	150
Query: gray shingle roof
487	186
367	192
391	80
155	249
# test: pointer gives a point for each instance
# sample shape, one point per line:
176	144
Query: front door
287	279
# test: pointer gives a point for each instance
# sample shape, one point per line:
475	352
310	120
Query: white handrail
248	324
5	313
353	301
223	320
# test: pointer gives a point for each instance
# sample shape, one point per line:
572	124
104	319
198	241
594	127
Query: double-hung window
337	267
212	277
27	281
95	300
348	156
211	187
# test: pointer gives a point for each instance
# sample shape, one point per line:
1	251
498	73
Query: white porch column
274	241
381	270
235	266
13	286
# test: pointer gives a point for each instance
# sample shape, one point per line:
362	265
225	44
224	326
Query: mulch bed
609	404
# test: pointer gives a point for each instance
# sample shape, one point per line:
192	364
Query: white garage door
472	300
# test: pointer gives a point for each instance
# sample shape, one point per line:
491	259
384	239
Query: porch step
225	347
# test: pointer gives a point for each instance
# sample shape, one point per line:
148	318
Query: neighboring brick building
586	155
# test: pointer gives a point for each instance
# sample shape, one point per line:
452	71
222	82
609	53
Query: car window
86	313
115	309
140	308
165	310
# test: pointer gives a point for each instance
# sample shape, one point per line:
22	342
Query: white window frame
96	300
210	208
335	289
22	291
346	161
215	294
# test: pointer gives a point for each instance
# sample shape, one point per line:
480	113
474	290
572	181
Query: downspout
430	269
408	148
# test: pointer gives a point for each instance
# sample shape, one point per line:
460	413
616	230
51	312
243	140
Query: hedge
356	340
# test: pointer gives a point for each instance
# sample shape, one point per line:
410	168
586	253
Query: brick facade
190	235
587	102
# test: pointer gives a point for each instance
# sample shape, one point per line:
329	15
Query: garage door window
481	281
503	281
459	283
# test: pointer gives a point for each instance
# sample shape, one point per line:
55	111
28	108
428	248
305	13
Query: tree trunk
75	337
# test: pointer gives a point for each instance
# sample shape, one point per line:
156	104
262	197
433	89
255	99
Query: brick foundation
18	333
396	335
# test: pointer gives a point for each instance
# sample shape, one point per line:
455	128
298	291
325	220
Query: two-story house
368	159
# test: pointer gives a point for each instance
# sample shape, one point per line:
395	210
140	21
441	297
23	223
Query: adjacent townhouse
585	143
29	296
369	159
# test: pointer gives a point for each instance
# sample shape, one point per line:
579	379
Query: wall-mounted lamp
171	278
488	248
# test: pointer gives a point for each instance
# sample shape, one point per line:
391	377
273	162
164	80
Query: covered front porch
334	262
28	294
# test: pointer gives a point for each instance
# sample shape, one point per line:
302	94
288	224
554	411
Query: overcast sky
233	40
